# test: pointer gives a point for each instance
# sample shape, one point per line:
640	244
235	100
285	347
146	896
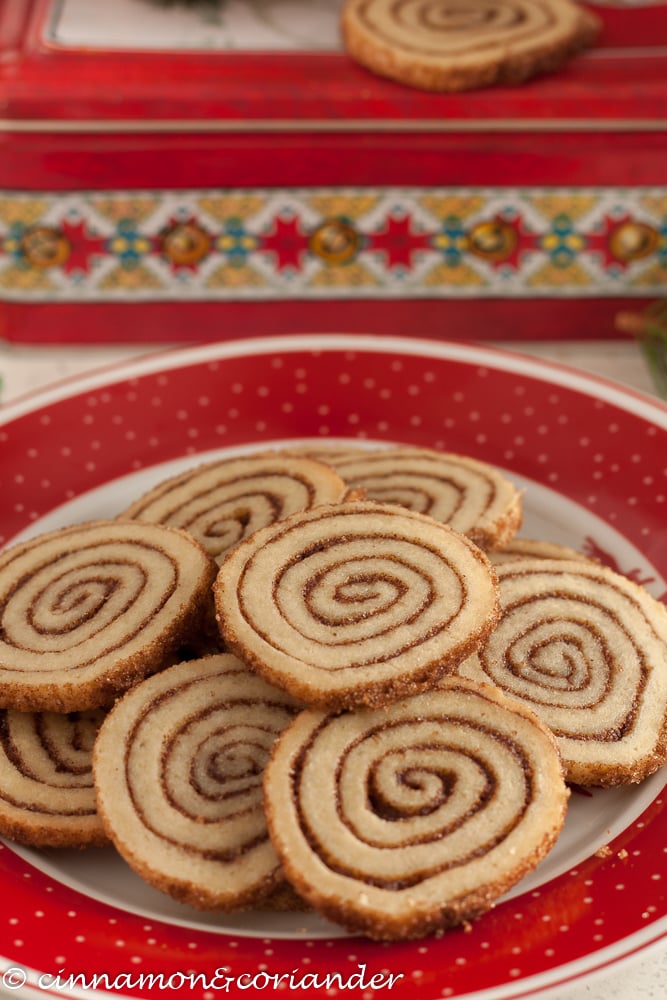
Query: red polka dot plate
591	457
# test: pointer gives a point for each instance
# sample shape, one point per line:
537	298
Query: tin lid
69	65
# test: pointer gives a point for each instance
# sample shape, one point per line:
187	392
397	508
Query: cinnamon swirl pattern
405	820
473	497
355	604
586	649
458	46
46	779
88	610
222	502
178	767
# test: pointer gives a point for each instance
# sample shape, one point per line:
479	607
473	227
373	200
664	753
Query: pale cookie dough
586	649
402	821
178	768
355	604
460	46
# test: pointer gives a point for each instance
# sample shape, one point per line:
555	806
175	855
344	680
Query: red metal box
166	174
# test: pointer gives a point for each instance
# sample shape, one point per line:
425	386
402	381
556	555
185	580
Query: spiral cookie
46	780
471	496
222	502
178	768
458	46
355	604
86	611
400	821
586	649
533	548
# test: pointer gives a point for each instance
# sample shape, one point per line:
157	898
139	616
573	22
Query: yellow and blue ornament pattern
323	243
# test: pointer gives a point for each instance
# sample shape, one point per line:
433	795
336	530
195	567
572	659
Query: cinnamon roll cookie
87	610
586	649
178	767
222	502
401	821
533	548
356	603
459	46
473	497
46	779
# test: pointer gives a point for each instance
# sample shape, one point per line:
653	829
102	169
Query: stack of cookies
323	678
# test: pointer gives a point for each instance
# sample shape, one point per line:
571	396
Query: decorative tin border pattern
324	243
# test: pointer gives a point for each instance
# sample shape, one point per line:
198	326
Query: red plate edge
644	832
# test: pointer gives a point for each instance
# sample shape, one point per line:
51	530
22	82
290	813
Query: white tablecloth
24	369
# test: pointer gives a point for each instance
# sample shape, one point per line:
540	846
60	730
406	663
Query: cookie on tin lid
461	46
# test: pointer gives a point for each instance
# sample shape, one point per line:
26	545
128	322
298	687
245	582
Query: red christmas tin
191	171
